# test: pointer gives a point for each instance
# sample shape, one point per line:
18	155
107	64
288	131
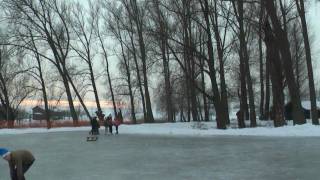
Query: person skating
19	162
94	126
116	123
106	124
109	123
120	117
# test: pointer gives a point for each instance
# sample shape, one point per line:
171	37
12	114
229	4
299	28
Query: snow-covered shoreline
189	129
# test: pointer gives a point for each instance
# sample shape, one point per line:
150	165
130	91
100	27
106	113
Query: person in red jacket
117	121
19	162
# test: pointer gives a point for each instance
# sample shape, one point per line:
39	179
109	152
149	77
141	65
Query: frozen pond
67	156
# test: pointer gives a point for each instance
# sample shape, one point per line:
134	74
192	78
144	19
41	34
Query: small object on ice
199	125
92	138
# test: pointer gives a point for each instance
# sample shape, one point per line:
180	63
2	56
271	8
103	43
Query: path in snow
67	156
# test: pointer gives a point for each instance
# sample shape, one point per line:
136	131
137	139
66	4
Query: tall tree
261	67
115	25
83	25
221	110
136	12
276	68
313	98
283	44
162	39
244	61
40	78
50	20
14	84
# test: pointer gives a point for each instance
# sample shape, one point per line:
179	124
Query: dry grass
54	124
43	124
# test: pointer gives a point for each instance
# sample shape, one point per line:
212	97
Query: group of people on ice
108	122
21	160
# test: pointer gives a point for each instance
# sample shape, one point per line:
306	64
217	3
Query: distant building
39	113
306	107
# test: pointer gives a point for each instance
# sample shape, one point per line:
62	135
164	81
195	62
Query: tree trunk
244	57
283	44
220	49
111	89
221	111
108	74
138	77
165	61
135	19
70	100
262	112
43	86
194	103
79	97
95	91
10	117
267	104
44	94
61	66
138	20
313	98
276	68
133	113
149	118
127	66
203	83
187	59
296	57
166	73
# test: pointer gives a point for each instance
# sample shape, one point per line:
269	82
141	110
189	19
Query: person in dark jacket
119	116
94	126
19	162
117	123
108	123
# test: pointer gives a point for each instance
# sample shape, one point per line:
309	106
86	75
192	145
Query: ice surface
67	156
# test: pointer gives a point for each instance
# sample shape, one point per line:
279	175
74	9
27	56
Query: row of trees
189	57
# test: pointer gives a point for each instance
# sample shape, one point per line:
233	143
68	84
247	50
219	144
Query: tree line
188	58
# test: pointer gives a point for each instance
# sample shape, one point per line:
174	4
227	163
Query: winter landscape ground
178	151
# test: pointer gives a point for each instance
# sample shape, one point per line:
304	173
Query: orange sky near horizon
64	103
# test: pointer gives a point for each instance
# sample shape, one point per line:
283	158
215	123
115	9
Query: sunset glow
64	103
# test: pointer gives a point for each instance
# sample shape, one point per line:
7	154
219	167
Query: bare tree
301	10
276	68
50	20
83	25
14	82
244	61
283	44
116	25
137	13
40	78
161	37
261	67
221	110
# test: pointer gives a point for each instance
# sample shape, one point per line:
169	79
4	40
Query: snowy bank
190	129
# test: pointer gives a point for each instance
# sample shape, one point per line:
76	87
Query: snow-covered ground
265	128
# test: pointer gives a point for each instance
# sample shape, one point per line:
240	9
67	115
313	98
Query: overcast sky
314	29
313	16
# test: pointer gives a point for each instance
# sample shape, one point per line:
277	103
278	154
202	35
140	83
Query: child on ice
108	124
117	123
